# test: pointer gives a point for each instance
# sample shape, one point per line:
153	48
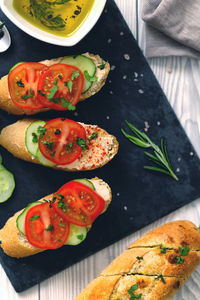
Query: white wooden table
182	87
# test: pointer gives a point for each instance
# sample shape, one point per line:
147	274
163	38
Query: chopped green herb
161	278
61	224
81	142
34	138
75	74
55	100
57	132
90	78
67	104
139	258
2	25
184	251
131	290
69	147
179	260
60	197
40	93
41	130
20	83
49	228
62	205
53	154
60	76
34	218
53	90
163	249
49	145
69	84
102	66
80	237
31	95
93	136
59	240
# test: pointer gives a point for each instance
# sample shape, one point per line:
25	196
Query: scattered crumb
158	123
127	57
124	77
146	129
111	92
110	81
125	208
121	33
179	159
112	68
140	91
118	194
105	11
191	153
107	117
109	41
169	70
178	170
135	79
76	114
135	74
141	75
146	124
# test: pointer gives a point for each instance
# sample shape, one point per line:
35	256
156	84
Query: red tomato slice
59	85
59	142
78	204
22	84
44	228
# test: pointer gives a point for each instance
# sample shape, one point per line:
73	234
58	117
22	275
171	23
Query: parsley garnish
41	130
53	90
163	249
60	76
29	95
69	84
184	251
161	278
20	83
81	142
131	290
69	147
49	228
179	260
40	93
90	78
59	240
61	204
75	74
139	258
61	224
49	145
80	237
67	104
34	218
34	138
93	136
102	66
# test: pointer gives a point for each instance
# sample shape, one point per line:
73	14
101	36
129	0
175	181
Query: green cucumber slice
43	160
77	235
32	146
7	184
84	63
86	182
19	63
21	218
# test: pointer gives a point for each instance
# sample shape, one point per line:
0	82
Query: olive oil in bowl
60	17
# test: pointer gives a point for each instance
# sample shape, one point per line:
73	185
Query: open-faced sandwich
63	218
60	143
152	268
57	84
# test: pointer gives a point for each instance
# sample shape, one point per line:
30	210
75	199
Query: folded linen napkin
172	27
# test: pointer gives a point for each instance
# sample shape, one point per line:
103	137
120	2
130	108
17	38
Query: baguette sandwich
152	268
60	143
53	222
94	73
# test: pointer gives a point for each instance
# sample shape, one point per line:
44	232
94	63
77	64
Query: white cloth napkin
172	27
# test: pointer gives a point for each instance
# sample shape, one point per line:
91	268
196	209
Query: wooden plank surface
179	78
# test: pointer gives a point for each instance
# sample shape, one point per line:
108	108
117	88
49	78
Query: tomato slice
44	228
78	204
59	143
22	85
60	86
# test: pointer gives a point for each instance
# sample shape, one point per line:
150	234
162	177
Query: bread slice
15	244
100	150
7	104
151	264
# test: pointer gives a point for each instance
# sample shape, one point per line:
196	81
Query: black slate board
139	197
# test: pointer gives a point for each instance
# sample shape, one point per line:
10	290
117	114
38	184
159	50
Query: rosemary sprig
160	156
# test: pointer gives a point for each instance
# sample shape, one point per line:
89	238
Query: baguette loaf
155	266
101	150
15	244
7	104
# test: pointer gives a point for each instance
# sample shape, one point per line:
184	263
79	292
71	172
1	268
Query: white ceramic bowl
86	26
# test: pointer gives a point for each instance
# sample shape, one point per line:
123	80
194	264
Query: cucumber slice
30	131
84	63
86	182
77	235
21	218
43	160
7	184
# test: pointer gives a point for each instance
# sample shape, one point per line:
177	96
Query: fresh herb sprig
131	290
160	156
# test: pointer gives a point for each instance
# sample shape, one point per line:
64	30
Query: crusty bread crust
15	244
7	104
143	263
12	138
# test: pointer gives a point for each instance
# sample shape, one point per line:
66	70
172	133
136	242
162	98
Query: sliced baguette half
15	244
100	151
7	104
